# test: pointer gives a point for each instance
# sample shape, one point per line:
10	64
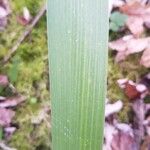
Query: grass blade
78	35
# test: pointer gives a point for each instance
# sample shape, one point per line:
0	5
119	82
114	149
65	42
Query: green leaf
118	18
78	51
113	27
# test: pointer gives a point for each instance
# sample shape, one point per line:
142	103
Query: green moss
114	73
23	138
31	76
124	113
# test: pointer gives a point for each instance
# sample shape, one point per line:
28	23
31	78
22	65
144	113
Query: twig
24	35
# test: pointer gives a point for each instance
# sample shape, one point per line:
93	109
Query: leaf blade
78	61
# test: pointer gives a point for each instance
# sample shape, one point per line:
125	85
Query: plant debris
129	45
5	147
138	20
132	90
6	112
4	12
25	19
23	77
130	39
118	136
3	80
122	136
6	116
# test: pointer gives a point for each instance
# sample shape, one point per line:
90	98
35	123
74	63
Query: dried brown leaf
123	141
3	146
139	111
137	45
135	25
113	108
6	116
5	4
4	12
139	15
12	102
25	18
120	44
146	143
133	8
3	80
129	45
120	56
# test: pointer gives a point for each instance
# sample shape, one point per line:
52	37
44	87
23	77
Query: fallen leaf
113	108
139	15
135	8
25	18
120	44
122	82
146	143
4	12
120	56
3	146
138	126
131	92
2	98
135	25
123	141
5	4
130	45
137	45
10	130
26	14
12	101
124	128
3	80
115	3
109	131
6	116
